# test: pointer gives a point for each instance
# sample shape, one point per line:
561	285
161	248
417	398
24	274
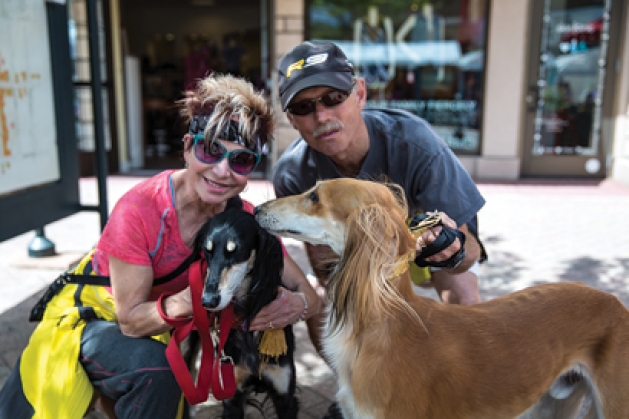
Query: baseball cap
313	63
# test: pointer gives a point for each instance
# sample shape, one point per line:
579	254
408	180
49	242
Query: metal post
40	246
97	101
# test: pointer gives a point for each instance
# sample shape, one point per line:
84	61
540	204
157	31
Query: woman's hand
287	308
178	305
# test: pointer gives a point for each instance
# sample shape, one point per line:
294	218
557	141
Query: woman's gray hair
218	99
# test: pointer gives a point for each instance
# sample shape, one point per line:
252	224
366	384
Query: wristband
303	297
172	321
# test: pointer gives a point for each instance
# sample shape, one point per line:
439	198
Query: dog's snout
211	302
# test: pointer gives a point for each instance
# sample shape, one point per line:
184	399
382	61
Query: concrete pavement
534	232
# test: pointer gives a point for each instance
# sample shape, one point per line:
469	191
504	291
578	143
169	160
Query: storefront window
426	57
571	77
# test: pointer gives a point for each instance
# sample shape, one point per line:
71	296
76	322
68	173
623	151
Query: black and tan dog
244	267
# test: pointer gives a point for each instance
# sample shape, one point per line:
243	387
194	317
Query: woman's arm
295	302
138	317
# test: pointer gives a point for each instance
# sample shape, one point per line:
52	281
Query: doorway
570	88
176	42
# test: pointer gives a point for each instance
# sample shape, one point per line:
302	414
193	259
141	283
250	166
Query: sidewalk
534	232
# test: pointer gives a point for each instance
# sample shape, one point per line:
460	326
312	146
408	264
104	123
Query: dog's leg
283	380
234	408
286	405
570	396
549	407
348	406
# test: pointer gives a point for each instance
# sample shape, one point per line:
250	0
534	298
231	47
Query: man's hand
431	234
462	251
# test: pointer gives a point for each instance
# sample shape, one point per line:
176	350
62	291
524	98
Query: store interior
176	43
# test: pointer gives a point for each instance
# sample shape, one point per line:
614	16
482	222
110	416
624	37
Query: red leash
216	373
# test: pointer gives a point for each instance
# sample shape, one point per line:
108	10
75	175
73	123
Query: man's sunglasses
329	100
242	162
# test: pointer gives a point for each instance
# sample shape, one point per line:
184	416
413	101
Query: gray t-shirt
405	150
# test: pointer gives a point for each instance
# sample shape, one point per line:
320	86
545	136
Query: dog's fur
244	266
537	353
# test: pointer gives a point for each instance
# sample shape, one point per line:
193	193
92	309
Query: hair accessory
229	132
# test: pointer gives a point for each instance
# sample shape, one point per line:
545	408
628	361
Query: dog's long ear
266	275
377	237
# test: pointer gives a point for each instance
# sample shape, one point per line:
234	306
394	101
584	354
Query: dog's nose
211	302
256	210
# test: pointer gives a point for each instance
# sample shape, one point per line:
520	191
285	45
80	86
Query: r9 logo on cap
316	59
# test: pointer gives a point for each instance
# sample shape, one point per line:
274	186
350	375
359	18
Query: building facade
552	100
519	88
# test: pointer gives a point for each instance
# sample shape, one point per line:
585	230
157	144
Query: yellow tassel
273	344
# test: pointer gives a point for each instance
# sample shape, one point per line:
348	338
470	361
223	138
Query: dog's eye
314	197
209	245
231	246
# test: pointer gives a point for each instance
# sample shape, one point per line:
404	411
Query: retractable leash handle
422	222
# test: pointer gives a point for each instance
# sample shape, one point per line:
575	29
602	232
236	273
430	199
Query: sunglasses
242	162
329	100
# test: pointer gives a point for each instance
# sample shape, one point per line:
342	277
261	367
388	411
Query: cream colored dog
545	352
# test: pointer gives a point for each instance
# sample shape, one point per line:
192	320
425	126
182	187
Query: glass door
569	90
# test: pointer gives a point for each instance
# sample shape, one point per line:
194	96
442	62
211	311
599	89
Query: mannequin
374	29
423	26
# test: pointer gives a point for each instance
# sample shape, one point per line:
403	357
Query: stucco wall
619	169
505	80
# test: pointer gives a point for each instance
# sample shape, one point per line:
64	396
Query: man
325	102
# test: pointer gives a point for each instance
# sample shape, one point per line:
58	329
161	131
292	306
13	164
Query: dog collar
401	265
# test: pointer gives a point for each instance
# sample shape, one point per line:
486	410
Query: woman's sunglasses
242	162
329	100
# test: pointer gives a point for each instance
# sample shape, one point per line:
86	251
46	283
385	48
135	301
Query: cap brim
336	80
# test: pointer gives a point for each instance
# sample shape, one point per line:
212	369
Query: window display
568	96
425	57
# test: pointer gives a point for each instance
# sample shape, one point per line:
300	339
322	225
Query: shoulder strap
194	256
86	279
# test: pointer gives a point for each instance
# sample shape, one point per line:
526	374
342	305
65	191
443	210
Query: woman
116	333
